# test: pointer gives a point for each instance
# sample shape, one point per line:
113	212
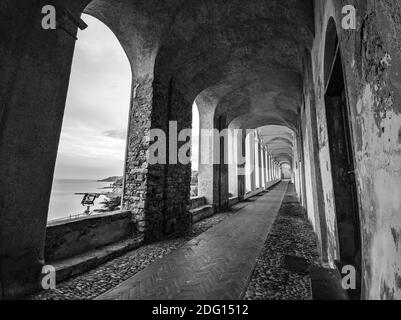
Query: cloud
116	134
93	137
97	103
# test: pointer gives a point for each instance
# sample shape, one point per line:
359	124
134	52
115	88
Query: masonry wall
65	239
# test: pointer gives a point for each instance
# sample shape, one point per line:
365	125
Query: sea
64	202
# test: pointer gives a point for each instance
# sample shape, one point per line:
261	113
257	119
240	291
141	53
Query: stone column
253	162
213	171
270	168
257	163
222	177
250	161
241	165
260	177
264	167
206	167
158	191
274	170
237	162
273	174
233	156
34	77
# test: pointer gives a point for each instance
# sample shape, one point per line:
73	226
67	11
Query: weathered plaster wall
378	147
372	64
323	11
248	57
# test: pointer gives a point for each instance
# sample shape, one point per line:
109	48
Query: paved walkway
217	265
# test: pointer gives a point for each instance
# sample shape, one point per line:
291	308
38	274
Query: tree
111	204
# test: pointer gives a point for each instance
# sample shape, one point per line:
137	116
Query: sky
93	136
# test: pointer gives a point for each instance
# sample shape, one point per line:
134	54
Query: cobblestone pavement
216	265
292	235
103	278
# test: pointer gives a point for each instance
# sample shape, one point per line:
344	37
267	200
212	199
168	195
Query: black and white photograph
222	154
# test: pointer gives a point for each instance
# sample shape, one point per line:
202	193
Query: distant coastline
111	179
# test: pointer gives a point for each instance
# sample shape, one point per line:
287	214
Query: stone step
196	202
201	213
79	264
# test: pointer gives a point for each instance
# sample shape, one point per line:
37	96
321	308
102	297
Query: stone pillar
253	162
270	168
250	161
266	166
260	177
241	164
222	177
263	154
257	163
157	192
213	168
233	156
34	77
206	167
274	170
236	162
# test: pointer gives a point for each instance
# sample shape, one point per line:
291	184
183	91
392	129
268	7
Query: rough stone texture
66	239
74	247
215	265
178	51
112	273
292	235
257	63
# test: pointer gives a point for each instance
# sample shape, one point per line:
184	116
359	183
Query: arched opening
92	146
286	171
249	162
195	150
257	164
342	164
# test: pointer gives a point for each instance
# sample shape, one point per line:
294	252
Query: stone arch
39	62
96	82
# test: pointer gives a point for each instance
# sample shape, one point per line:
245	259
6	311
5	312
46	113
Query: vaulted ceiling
279	141
246	56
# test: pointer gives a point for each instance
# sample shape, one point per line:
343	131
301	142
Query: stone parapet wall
65	239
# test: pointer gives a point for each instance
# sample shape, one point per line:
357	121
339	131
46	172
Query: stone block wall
65	239
157	194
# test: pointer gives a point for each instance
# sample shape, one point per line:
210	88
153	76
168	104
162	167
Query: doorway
343	172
